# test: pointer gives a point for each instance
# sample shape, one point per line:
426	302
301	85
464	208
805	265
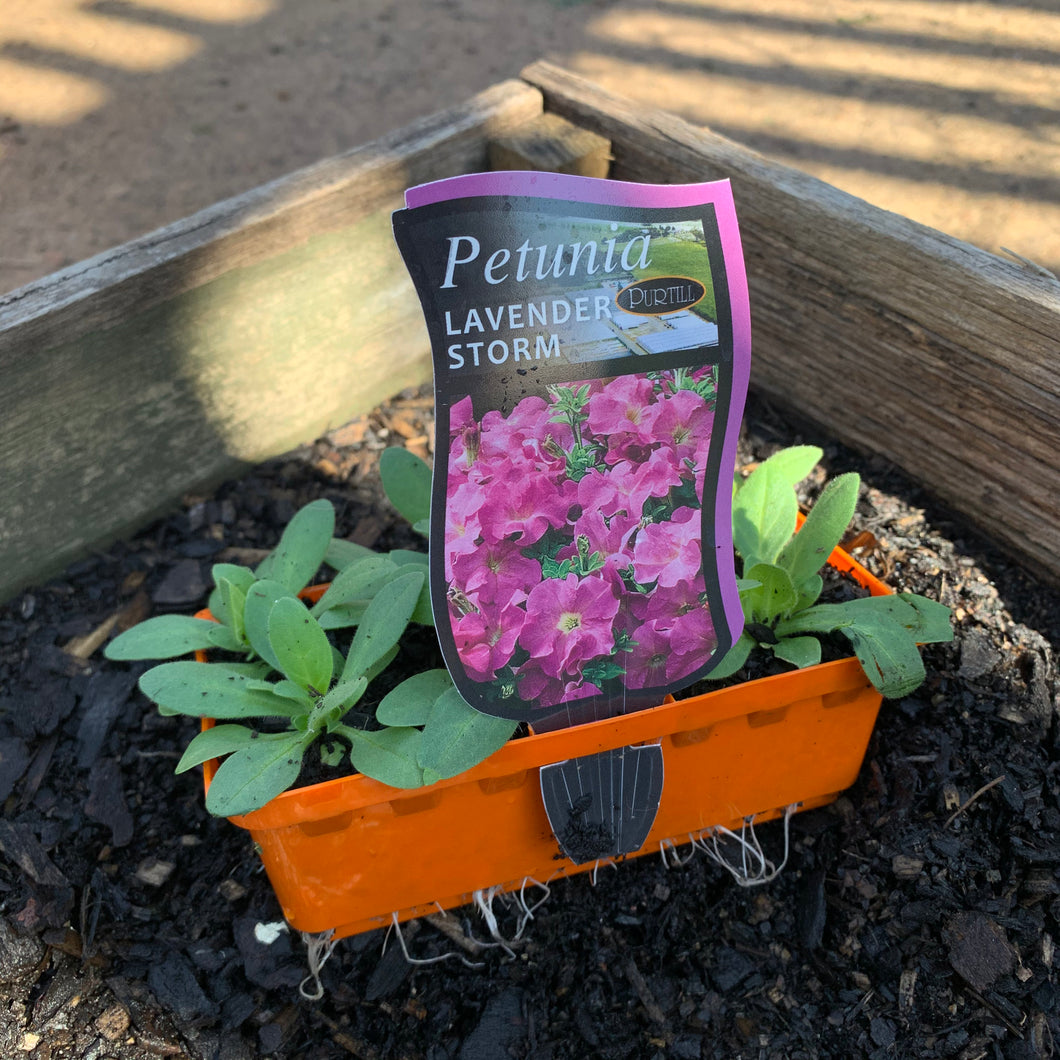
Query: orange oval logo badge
660	295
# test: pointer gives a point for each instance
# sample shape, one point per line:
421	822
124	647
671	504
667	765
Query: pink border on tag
718	193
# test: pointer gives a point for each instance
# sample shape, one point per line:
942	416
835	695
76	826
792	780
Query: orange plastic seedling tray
350	854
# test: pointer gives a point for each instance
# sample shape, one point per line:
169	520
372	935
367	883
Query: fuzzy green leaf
422	613
257	773
934	620
303	545
205	691
260	601
214	743
793	464
411	701
407	481
234	574
799	651
763	517
341	553
808	593
344	616
357	583
774	596
384	621
733	659
457	737
301	647
285	690
888	655
166	637
883	632
381	663
387	755
233	601
808	551
344	695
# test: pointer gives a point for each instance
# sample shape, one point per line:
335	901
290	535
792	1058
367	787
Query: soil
916	917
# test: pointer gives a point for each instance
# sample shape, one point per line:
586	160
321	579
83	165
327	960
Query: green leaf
241	577
358	582
253	671
808	593
301	647
303	545
407	481
202	690
764	514
344	615
230	602
166	637
233	572
387	755
260	601
214	743
799	651
774	596
422	613
344	695
793	464
381	663
888	655
384	621
341	553
883	631
253	775
285	690
333	755
765	507
733	659
935	620
411	701
457	737
808	551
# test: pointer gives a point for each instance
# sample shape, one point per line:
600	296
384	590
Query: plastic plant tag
591	344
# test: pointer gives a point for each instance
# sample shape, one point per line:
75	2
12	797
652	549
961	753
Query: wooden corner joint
549	143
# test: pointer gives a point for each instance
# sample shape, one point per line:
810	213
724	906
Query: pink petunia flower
495	572
524	505
535	686
683	424
485	639
670	552
569	622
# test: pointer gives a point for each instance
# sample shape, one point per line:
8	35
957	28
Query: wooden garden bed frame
166	364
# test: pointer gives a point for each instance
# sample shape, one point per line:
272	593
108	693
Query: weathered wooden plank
897	338
177	359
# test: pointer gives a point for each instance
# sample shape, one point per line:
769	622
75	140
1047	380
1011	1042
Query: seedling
781	583
275	659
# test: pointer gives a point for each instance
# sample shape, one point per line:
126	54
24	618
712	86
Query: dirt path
121	115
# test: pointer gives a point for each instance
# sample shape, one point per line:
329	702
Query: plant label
591	344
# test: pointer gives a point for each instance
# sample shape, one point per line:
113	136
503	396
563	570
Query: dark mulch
916	918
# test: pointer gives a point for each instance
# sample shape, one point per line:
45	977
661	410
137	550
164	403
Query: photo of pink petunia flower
572	548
